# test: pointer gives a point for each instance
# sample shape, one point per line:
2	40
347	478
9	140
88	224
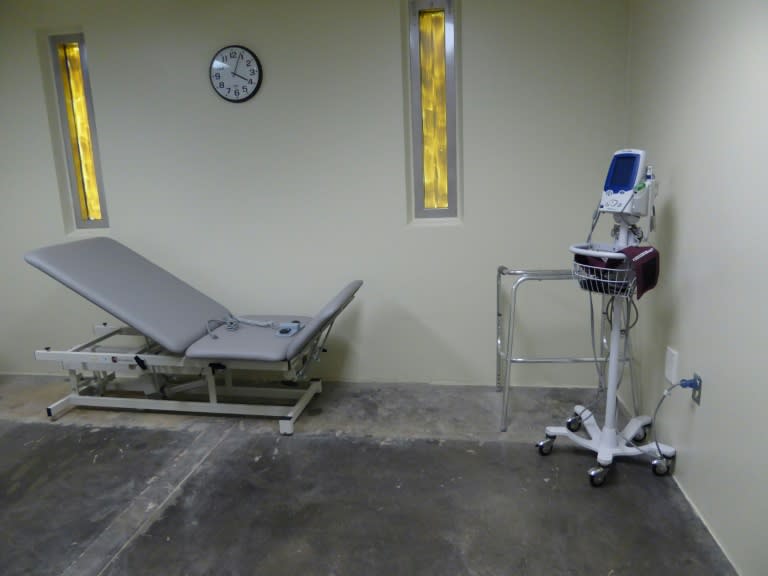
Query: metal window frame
54	41
414	7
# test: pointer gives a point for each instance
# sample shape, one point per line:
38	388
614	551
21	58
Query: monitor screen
623	173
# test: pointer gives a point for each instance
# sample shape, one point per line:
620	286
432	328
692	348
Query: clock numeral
233	54
249	63
217	76
244	89
253	71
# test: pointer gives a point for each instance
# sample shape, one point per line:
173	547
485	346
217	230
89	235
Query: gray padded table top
263	344
168	310
253	343
131	288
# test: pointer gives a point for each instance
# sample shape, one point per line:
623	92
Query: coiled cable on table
233	323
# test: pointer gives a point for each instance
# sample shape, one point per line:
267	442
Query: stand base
607	443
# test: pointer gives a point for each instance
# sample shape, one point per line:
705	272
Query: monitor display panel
623	172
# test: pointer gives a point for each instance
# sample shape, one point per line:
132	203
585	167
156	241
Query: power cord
692	383
664	396
595	218
233	323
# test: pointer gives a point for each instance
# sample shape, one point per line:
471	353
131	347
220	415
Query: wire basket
613	281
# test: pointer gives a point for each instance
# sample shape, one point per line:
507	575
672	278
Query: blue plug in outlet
695	385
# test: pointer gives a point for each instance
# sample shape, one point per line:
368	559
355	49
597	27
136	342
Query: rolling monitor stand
614	271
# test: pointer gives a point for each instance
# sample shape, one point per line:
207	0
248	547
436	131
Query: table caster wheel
573	423
545	446
597	475
661	466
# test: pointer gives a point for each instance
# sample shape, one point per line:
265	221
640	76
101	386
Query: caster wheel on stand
545	446
573	423
662	466
641	434
597	475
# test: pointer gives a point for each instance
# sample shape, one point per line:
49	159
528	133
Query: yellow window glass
433	107
79	125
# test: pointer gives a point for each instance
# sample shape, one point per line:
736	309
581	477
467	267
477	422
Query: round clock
236	73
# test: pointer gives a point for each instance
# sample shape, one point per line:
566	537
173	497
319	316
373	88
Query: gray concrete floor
377	479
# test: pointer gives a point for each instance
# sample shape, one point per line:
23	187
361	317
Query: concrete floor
377	479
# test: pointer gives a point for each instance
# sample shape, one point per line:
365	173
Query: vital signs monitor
625	190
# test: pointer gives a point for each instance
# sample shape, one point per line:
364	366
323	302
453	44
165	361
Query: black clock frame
258	66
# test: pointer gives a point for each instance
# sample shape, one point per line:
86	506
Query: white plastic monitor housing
626	190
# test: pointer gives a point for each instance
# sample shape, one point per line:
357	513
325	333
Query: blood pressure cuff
644	261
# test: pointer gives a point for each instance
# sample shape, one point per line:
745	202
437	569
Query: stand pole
608	437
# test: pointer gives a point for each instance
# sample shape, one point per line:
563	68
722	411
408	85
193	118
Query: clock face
236	73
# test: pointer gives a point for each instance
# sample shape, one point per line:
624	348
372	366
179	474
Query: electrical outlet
696	392
670	366
695	385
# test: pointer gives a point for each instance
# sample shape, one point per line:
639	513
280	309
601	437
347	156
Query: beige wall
274	204
699	90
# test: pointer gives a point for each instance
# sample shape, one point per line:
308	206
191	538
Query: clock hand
239	56
239	76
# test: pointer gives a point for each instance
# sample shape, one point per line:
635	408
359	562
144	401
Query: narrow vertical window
77	121
433	107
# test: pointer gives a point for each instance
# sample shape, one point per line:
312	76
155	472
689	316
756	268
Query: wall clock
236	73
